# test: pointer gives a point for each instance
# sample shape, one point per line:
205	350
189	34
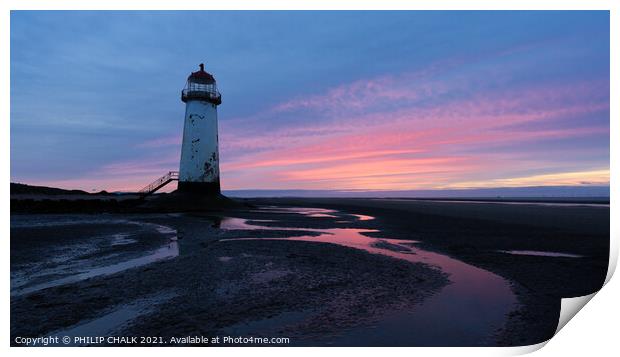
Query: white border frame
595	327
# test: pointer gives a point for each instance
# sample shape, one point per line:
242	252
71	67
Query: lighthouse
199	171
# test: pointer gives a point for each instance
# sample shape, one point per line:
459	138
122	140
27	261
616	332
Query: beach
319	272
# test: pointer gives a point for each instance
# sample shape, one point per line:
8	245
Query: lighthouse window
199	87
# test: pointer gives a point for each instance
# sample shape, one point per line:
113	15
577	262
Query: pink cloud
399	147
403	131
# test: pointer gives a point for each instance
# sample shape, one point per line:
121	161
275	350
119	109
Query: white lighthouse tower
199	170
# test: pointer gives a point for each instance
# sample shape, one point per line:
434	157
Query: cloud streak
409	146
409	100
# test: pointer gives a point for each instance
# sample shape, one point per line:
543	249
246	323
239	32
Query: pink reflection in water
466	312
237	223
310	212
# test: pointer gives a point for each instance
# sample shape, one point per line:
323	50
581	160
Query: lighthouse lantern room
199	169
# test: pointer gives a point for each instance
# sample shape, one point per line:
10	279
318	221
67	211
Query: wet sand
348	272
478	232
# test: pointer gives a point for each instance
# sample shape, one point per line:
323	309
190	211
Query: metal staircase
159	183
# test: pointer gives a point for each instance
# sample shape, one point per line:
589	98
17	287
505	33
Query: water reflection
170	250
306	211
110	322
90	258
540	254
466	312
237	223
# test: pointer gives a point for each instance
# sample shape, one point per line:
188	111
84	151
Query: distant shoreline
603	201
41	199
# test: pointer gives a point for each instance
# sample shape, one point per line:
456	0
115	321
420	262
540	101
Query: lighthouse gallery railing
209	95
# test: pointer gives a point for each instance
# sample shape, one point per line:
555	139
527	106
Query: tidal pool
541	253
110	322
81	259
467	312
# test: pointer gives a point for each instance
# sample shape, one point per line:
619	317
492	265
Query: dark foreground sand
309	292
475	232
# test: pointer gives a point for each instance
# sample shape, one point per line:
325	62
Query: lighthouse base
199	188
189	202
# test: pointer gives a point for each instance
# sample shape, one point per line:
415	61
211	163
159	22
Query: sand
312	292
476	232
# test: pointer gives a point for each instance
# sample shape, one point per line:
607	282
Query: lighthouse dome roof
201	76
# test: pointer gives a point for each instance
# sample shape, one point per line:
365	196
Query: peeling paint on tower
199	168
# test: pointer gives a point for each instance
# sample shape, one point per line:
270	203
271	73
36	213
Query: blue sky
315	100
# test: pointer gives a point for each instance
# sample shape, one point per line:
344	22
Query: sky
343	100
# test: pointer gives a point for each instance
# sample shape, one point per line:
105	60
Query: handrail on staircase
159	183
